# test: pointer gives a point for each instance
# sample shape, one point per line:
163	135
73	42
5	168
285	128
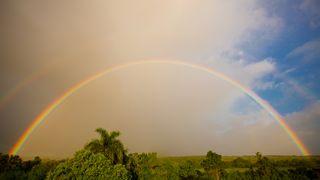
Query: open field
250	158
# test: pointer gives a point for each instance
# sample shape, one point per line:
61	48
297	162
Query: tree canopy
109	145
107	158
87	165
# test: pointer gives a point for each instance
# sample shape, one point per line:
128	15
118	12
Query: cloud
302	73
241	67
312	9
157	108
261	68
261	133
307	53
125	30
306	125
164	108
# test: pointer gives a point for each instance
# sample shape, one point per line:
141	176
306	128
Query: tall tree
109	145
212	164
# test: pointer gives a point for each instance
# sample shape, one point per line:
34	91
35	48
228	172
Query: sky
271	47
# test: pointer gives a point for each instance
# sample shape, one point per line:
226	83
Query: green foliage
167	170
142	166
106	158
196	160
13	167
212	161
13	175
236	175
212	164
187	170
10	163
87	165
108	145
146	166
304	173
40	171
295	162
240	163
264	167
28	165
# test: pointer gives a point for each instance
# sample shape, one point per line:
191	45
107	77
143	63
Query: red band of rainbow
53	105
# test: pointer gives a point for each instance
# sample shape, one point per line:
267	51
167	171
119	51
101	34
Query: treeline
13	167
107	158
240	162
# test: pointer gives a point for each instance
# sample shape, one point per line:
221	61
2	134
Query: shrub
87	165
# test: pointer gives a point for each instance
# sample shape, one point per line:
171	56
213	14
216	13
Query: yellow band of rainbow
54	104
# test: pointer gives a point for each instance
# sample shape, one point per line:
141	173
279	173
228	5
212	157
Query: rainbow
59	100
13	92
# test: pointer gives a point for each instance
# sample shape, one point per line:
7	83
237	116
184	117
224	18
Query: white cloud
307	52
248	72
261	68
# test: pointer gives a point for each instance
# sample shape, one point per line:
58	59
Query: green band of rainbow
41	117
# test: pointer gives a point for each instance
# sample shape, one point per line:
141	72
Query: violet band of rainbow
59	100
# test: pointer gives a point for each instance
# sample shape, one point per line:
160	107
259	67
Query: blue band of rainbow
54	104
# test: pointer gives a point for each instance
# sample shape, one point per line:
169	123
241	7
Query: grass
251	158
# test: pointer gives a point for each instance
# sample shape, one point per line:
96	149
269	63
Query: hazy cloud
308	52
306	124
312	9
172	110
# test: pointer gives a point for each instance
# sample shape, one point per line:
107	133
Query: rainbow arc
59	100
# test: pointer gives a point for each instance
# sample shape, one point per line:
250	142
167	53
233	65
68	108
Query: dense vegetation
107	158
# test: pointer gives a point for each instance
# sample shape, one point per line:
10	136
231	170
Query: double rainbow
54	104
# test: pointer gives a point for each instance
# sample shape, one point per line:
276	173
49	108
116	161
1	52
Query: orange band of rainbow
53	105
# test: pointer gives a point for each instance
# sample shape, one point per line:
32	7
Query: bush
187	170
87	165
241	163
41	170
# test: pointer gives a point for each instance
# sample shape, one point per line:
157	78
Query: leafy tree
13	175
167	170
240	163
108	145
304	173
237	175
212	164
264	166
87	165
28	165
10	163
11	167
142	166
4	159
187	170
266	169
40	171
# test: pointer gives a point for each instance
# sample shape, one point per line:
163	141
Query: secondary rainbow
59	100
13	92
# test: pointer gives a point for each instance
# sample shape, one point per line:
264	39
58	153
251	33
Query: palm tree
109	145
